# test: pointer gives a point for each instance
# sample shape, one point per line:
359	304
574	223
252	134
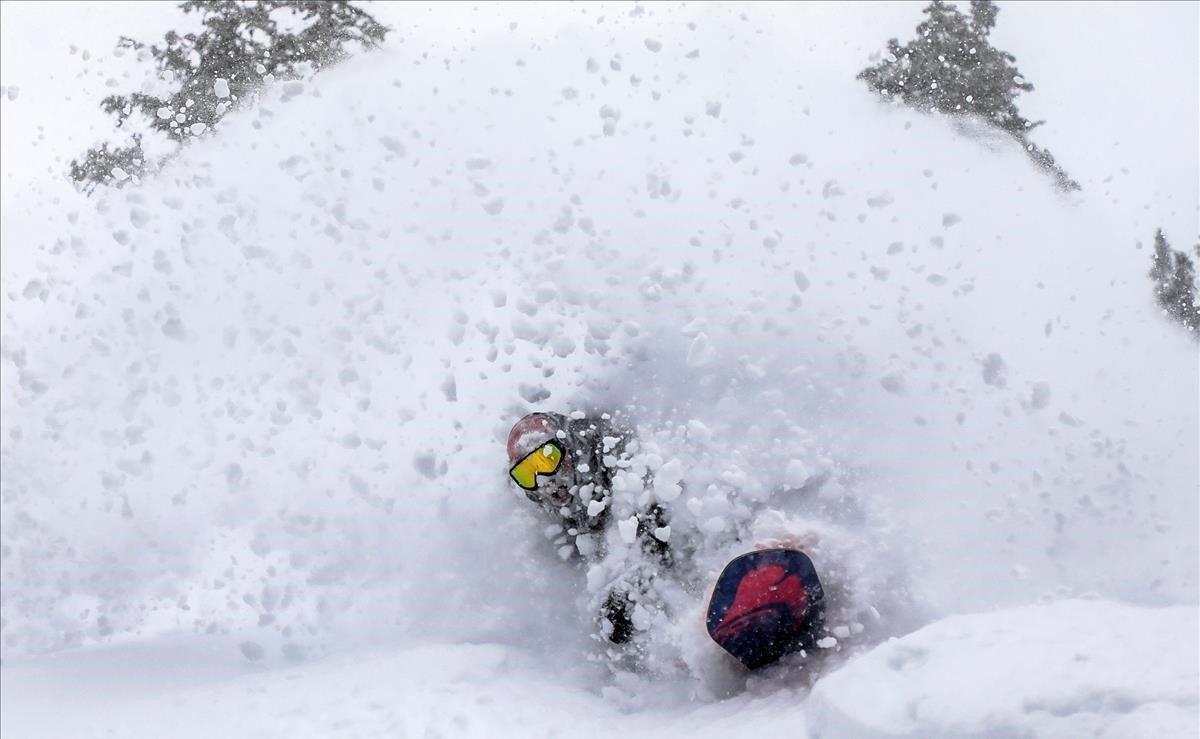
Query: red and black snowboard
766	604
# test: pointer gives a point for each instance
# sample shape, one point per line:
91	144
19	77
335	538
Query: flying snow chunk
796	473
173	328
995	371
197	128
392	144
252	651
694	327
164	113
562	345
609	115
662	533
34	289
697	431
801	280
119	174
426	464
1039	396
494	206
450	388
290	90
666	481
713	108
601	327
1067	419
701	352
221	88
628	529
642	617
533	393
596	507
714	525
654	45
894	383
882	200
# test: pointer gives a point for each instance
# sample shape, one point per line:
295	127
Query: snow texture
1071	668
254	407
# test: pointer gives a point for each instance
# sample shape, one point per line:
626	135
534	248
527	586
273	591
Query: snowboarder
565	464
765	604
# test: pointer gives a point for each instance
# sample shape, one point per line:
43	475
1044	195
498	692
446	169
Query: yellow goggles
544	460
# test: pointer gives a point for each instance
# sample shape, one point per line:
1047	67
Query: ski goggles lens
544	460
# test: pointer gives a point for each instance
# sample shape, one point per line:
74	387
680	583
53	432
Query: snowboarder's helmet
766	604
539	459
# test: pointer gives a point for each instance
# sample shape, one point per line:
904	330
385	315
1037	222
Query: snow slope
254	410
1070	668
1134	683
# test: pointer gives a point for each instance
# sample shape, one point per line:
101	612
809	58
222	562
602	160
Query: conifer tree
951	67
1175	288
243	44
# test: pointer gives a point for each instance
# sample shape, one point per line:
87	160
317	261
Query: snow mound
1070	668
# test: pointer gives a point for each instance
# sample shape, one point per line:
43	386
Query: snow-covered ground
1072	668
254	410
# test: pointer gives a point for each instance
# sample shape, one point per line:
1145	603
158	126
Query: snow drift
263	396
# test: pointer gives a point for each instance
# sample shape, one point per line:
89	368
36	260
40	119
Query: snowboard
765	605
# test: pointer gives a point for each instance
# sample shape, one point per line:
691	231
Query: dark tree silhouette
1175	288
242	45
952	68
